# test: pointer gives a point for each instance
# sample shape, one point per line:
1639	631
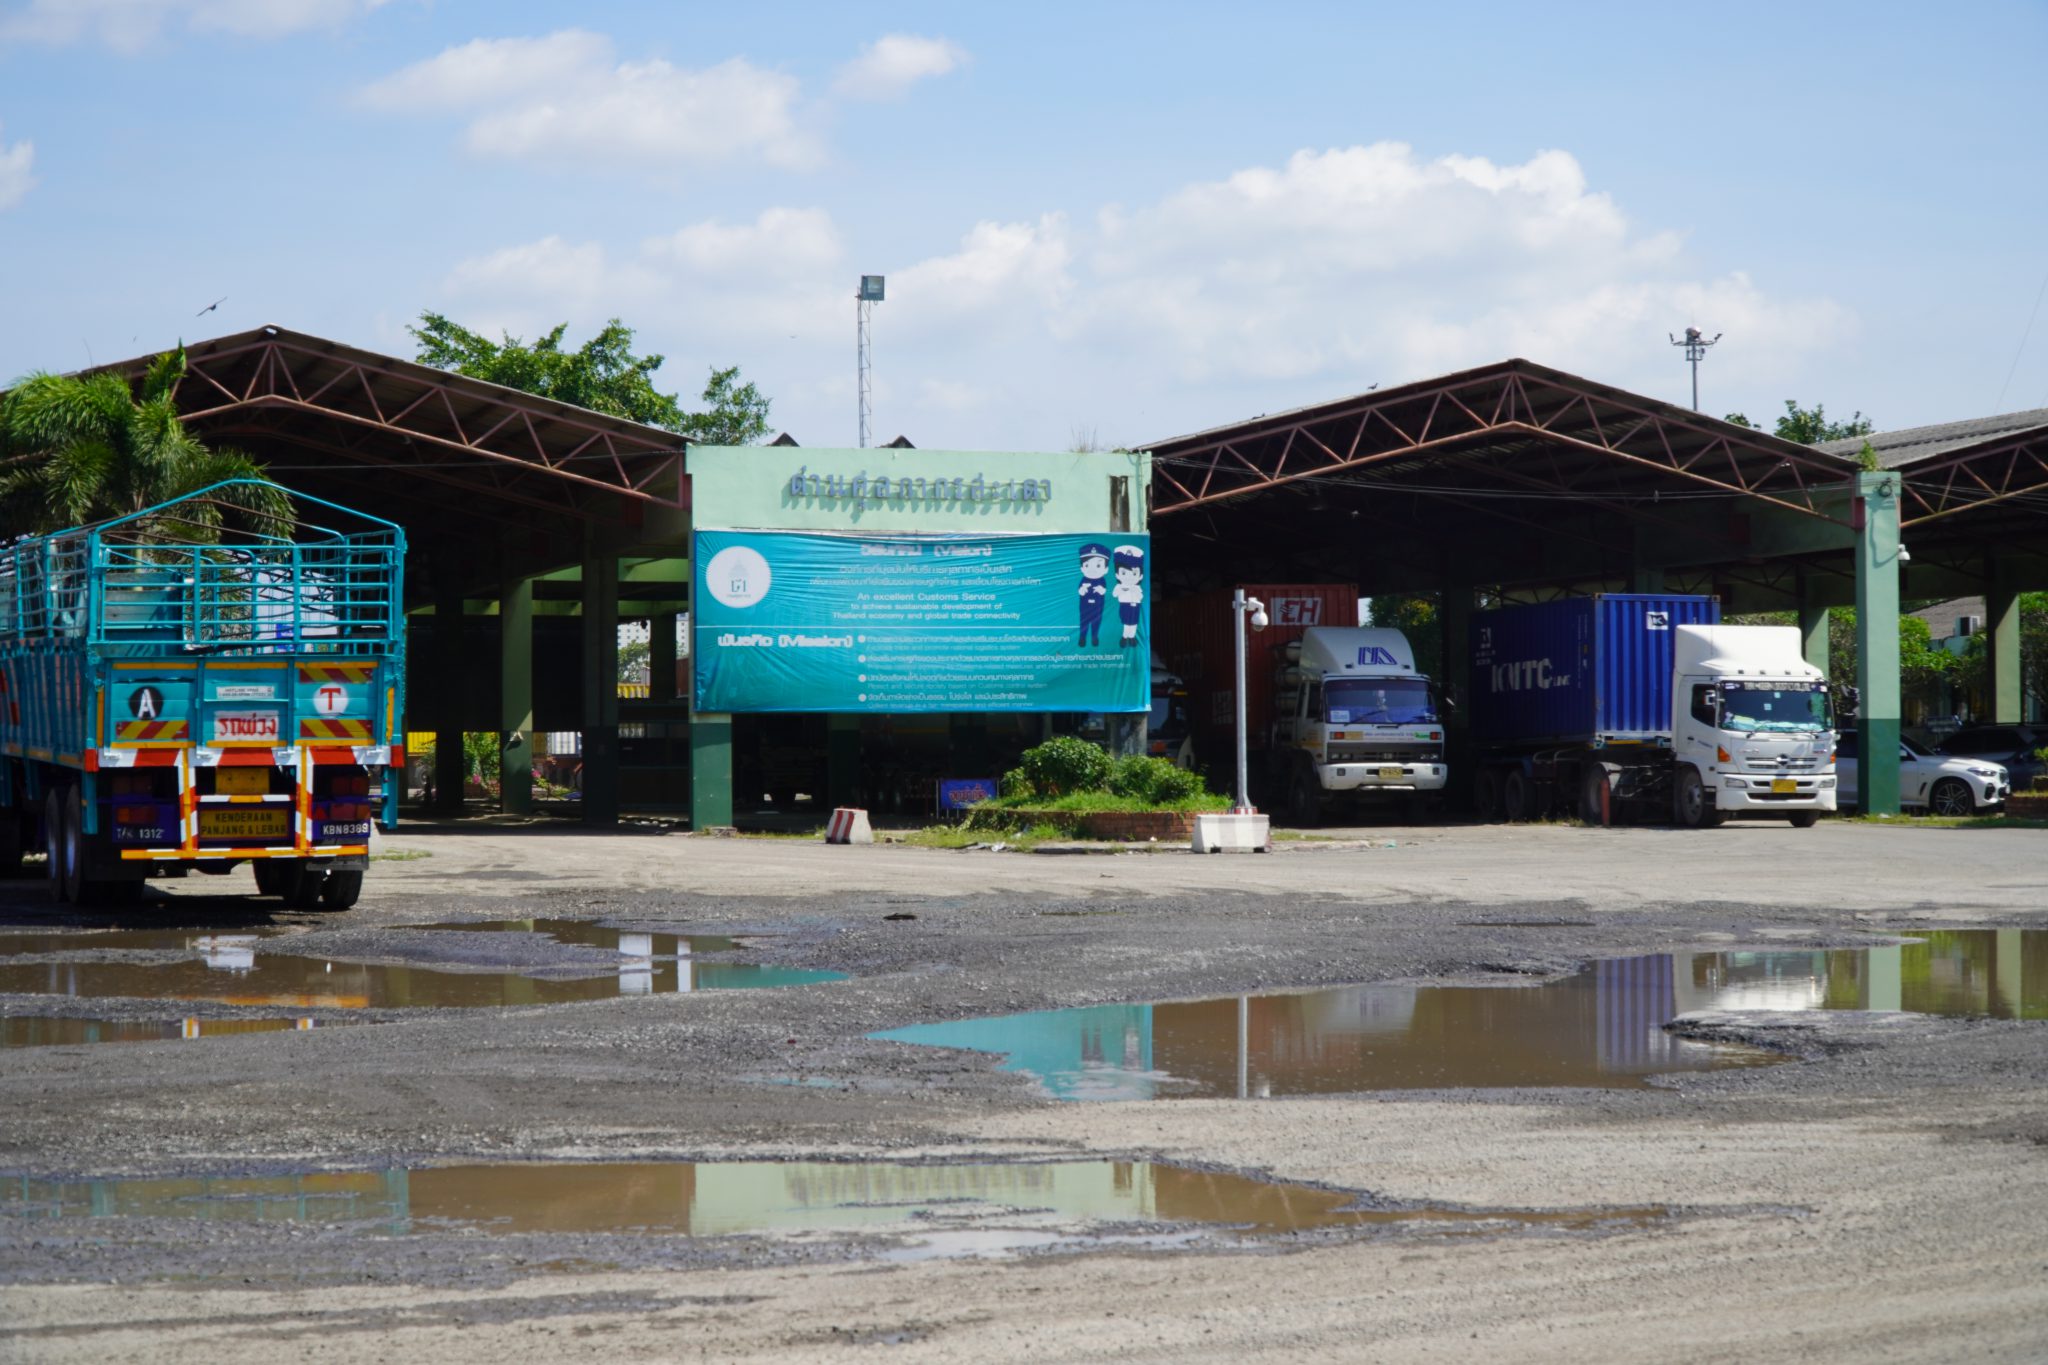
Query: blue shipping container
1579	670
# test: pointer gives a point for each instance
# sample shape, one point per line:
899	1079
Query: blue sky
1124	220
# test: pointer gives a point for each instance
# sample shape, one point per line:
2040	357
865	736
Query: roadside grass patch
1904	820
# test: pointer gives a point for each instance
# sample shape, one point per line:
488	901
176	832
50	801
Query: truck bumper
1367	778
1757	798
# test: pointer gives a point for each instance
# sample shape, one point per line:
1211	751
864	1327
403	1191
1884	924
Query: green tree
1925	668
76	449
1810	426
603	375
1414	617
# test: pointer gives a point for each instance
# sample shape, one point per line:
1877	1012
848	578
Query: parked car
2010	746
1929	781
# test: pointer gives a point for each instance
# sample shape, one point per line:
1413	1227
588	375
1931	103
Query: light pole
1240	607
1696	344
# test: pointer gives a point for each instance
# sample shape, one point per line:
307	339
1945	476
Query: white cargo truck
1356	724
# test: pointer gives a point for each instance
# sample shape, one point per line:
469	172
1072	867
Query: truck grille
1754	764
1357	753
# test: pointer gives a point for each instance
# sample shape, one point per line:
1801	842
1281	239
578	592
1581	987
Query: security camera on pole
1243	830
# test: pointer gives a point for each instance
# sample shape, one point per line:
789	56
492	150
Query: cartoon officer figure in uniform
1130	589
1094	590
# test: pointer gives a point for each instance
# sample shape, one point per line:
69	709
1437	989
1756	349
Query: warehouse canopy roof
1910	445
506	480
1511	425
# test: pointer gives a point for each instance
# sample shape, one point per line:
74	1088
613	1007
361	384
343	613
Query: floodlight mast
1696	345
869	294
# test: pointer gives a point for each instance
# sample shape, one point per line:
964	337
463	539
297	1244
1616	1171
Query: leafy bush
1065	765
1153	780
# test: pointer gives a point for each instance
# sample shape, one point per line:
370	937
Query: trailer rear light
134	815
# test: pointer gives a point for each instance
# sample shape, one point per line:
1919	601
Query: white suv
1930	781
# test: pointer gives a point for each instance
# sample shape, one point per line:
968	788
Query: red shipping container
1193	637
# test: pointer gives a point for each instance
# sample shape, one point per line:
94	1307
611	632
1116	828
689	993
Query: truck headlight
1827	784
1734	782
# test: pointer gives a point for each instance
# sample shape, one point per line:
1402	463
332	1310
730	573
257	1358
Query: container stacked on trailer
168	705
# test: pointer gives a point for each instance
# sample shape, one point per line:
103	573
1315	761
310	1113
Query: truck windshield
1378	701
1775	707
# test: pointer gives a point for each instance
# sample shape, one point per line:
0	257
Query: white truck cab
1753	726
1355	717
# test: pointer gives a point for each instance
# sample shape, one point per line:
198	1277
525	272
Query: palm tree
76	449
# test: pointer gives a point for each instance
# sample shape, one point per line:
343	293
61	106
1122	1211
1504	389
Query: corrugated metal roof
1913	444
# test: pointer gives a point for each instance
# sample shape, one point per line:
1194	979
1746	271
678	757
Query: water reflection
707	1199
230	969
1602	1026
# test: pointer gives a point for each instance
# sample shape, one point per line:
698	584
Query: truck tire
72	817
1595	803
1806	819
1692	804
53	842
1304	800
1486	794
339	890
1514	797
270	880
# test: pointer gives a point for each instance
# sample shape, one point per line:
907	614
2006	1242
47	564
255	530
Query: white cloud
1264	289
567	99
17	172
131	25
889	66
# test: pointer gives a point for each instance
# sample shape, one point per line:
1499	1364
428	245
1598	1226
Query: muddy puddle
232	968
1602	1026
940	1209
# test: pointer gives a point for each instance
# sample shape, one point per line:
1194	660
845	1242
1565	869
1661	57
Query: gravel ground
1878	1200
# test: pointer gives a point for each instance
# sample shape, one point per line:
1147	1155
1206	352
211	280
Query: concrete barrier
849	826
1233	833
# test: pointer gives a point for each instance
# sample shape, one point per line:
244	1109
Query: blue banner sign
961	793
805	621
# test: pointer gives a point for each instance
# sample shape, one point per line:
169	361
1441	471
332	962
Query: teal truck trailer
167	704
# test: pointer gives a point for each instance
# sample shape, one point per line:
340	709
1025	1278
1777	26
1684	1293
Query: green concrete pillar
1454	620
450	764
600	685
661	657
710	770
1813	630
1877	643
842	759
2002	635
515	691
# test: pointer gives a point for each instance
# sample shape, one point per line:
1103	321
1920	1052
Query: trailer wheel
1514	797
1486	794
53	842
1692	806
340	889
304	893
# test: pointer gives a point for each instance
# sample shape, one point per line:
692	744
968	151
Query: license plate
244	824
1390	774
1783	786
241	781
345	829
